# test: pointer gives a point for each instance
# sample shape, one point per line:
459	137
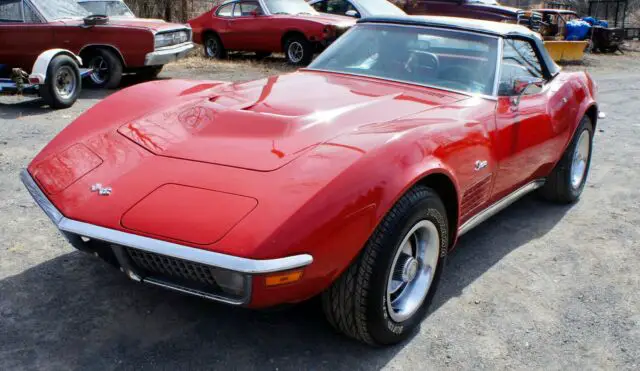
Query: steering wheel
422	60
458	77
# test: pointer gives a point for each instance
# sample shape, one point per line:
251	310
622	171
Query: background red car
267	26
29	27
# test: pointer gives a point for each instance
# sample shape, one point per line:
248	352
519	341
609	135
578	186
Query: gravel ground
537	287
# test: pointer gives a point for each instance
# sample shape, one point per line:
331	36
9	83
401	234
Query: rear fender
40	67
584	87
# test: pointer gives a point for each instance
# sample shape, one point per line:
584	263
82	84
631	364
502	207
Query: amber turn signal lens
283	278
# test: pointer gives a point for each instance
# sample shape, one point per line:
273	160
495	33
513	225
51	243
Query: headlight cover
165	39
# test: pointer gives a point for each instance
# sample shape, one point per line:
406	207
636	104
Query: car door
221	22
249	27
529	130
23	34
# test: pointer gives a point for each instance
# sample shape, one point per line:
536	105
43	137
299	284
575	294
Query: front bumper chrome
121	240
168	54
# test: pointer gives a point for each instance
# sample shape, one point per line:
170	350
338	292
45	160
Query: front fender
124	106
40	67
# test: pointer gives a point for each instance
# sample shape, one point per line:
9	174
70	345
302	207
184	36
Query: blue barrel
577	29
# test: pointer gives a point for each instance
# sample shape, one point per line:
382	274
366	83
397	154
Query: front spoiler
222	261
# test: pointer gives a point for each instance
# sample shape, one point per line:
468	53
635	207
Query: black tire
150	73
213	47
107	67
263	55
356	303
63	83
559	187
304	50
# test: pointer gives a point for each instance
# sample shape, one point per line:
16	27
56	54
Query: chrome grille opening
172	267
186	275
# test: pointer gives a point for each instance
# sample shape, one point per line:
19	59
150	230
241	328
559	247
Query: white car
357	8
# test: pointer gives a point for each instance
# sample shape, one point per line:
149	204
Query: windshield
289	7
441	58
380	7
110	8
60	9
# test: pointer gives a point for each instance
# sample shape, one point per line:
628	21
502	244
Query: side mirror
352	13
520	86
254	13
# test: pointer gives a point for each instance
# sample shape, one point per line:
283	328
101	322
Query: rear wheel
63	84
298	50
106	69
213	47
567	180
382	297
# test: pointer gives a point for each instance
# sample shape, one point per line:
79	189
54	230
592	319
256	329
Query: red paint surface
324	164
265	33
21	43
204	216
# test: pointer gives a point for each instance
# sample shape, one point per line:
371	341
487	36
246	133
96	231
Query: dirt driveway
537	287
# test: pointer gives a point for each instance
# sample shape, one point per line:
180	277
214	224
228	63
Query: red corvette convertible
351	179
266	26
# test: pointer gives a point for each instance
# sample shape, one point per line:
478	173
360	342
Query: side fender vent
475	196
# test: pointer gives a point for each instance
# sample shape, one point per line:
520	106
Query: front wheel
298	51
566	182
385	293
106	69
63	84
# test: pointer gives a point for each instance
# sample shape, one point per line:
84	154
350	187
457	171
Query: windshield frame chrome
496	78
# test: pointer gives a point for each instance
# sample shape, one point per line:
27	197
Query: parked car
357	8
55	77
111	8
267	26
489	10
109	47
351	179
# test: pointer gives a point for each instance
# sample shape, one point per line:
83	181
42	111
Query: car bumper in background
168	54
207	274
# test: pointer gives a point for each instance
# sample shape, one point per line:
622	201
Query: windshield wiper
307	13
285	13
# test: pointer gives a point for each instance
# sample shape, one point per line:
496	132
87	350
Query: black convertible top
473	25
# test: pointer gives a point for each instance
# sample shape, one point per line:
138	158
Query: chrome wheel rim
295	52
412	271
212	47
580	160
65	82
99	70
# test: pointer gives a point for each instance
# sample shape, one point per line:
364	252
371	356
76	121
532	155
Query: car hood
265	124
323	18
156	25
